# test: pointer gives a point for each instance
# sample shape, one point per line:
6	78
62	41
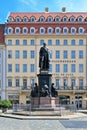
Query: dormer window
65	19
49	19
65	30
80	19
18	19
17	30
10	19
57	30
25	30
32	19
42	19
50	30
42	30
32	30
81	30
25	19
73	30
72	19
57	19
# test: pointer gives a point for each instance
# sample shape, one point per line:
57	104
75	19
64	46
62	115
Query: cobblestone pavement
16	124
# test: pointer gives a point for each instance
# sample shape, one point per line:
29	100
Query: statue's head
44	44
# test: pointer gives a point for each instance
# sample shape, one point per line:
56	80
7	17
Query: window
41	42
57	30
80	19
9	67
80	83
24	42
81	30
32	42
73	82
17	83
80	67
65	30
25	19
17	30
73	68
73	42
57	54
32	68
65	54
50	68
32	19
73	30
65	42
42	30
32	54
17	42
24	54
72	19
9	82
18	19
80	42
50	30
10	30
25	30
57	67
32	30
24	83
10	19
65	68
57	19
80	54
42	19
57	83
50	54
17	54
9	42
24	67
10	54
49	19
17	68
32	82
65	82
57	42
49	42
64	19
73	54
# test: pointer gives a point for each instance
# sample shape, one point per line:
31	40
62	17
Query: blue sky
7	6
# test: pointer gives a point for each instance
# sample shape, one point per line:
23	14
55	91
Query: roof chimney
46	9
64	9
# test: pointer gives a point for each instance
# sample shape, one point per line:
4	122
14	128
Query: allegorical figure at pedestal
44	58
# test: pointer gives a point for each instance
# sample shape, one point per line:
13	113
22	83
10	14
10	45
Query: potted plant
5	104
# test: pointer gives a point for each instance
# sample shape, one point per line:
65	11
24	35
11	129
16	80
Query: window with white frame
17	82
9	82
65	19
10	19
57	19
18	19
73	30
10	54
32	19
25	19
42	19
10	30
50	30
9	42
42	30
32	30
49	19
80	19
81	30
65	30
57	30
25	30
72	19
17	30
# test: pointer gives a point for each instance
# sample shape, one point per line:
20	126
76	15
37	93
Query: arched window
49	19
32	19
42	30
32	30
65	19
57	30
25	19
25	30
72	19
80	19
57	19
10	30
81	30
50	30
17	30
42	19
10	19
18	19
65	30
73	30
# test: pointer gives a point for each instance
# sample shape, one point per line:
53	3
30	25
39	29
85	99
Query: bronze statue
44	58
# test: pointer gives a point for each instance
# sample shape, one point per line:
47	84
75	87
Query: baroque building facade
65	34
